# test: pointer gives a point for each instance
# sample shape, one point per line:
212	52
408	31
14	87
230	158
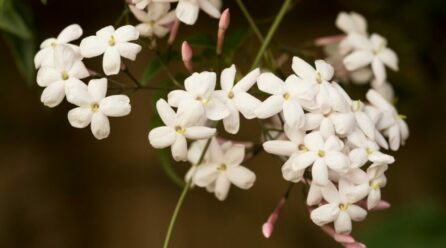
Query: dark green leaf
23	52
11	21
234	38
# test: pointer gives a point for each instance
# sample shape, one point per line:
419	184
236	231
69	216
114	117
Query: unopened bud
268	226
186	53
173	31
222	27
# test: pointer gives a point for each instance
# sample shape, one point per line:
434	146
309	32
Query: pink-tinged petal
247	81
343	223
209	8
241	177
246	104
168	19
128	50
270	83
271	106
358	59
162	137
111	62
53	94
80	117
97	89
222	186
320	172
379	70
179	148
115	106
303	70
187	12
47	75
70	33
100	126
280	147
227	78
356	213
197	133
314	141
93	46
325	214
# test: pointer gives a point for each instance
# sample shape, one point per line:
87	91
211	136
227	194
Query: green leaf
23	52
235	38
11	21
201	41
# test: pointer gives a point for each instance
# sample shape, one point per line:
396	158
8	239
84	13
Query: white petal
247	81
187	12
234	155
205	175
197	133
379	70
337	161
80	117
241	177
304	160
70	33
227	78
270	83
314	196
343	122
327	128
78	70
293	114
320	172
343	223
166	113
357	59
333	143
100	126
106	32
381	158
366	124
97	89
325	214
246	104
176	96
232	122
290	174
179	148
47	75
303	70
296	135
314	141
111	62
53	94
93	46
161	137
330	193
358	157
128	50
313	121
389	58
201	84
126	33
271	106
280	147
394	138
115	106
356	213
373	198
77	94
216	110
210	9
325	69
222	186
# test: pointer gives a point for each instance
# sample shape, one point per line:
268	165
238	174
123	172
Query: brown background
59	187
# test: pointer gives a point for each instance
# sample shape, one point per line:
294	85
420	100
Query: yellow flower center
112	40
203	100
302	147
357	106
375	186
402	117
221	167
53	44
94	107
180	130
344	207
369	151
321	153
65	75
231	94
286	96
318	77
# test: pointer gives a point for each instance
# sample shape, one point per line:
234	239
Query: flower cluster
61	69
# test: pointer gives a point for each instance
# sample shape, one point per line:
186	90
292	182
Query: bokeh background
59	187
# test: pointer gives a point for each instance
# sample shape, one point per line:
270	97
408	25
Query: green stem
166	69
271	32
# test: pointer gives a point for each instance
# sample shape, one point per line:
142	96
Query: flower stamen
94	107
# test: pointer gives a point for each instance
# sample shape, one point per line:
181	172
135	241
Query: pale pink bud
328	40
268	226
381	205
173	31
355	245
186	53
222	27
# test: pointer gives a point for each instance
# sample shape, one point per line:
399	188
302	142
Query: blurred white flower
155	20
236	97
113	44
141	4
187	10
95	107
178	127
67	68
340	207
200	88
46	54
223	170
377	180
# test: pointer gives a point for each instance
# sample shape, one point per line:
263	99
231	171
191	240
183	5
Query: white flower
224	169
368	151
113	44
340	208
179	126
187	10
141	4
155	21
350	23
46	54
67	69
377	180
384	89
200	88
236	97
95	107
322	154
290	148
372	51
286	97
392	124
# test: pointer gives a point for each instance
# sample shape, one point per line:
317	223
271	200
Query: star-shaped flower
155	21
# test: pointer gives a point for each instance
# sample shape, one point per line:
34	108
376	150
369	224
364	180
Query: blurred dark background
59	187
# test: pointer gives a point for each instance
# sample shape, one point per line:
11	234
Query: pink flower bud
173	31
328	40
268	226
222	26
186	53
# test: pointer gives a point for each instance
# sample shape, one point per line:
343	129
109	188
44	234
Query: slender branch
271	32
166	69
130	75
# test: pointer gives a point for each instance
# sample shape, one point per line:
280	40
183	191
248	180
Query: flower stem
271	31
181	199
